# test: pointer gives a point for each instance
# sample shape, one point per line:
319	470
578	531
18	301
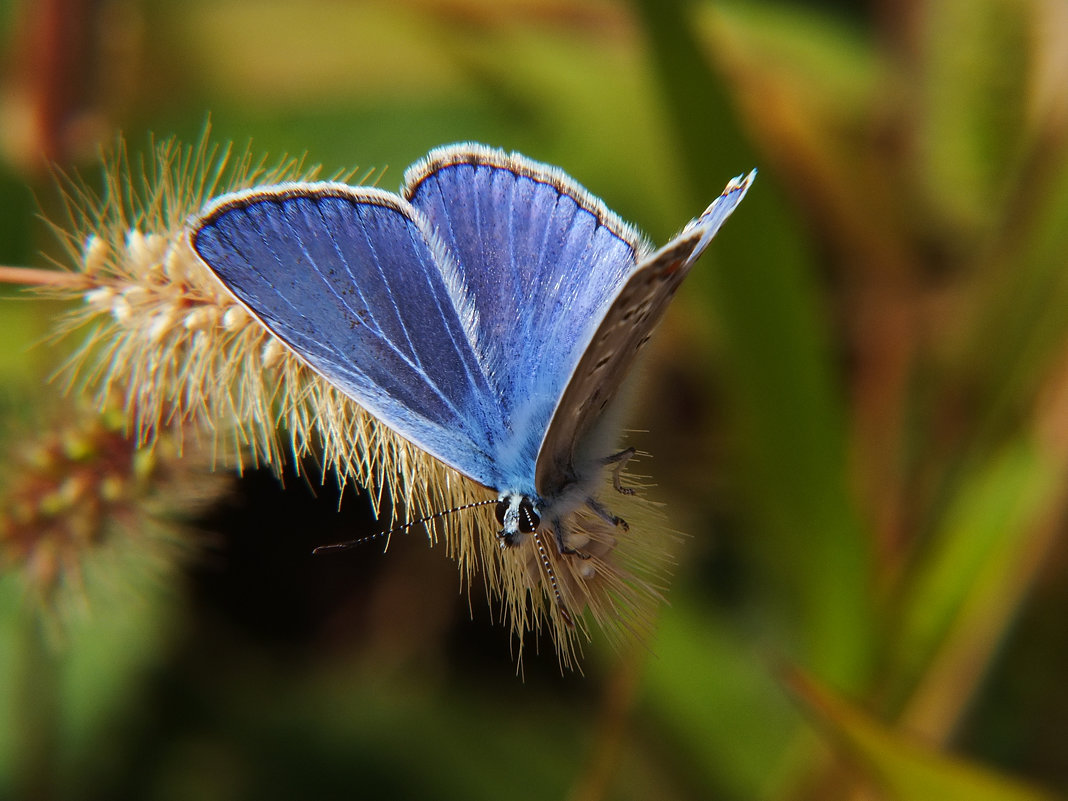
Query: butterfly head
517	515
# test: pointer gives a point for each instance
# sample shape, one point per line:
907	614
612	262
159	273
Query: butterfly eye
502	507
528	518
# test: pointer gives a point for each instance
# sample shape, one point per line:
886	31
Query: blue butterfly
487	313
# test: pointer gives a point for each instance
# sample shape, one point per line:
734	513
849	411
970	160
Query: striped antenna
344	546
540	543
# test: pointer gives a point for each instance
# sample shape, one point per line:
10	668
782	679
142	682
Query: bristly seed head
163	335
82	487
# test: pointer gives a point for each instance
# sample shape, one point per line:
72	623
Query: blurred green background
857	409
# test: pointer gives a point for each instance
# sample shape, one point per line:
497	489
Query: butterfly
487	313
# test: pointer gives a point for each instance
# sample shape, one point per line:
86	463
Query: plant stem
38	277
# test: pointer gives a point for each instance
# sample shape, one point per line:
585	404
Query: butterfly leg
561	541
620	461
605	515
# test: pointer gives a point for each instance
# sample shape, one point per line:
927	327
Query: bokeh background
857	409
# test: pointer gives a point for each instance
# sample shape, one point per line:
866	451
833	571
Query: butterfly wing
608	353
540	258
354	282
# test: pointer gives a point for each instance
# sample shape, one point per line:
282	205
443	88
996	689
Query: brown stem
38	277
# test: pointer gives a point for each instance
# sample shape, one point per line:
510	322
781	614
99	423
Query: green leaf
713	695
1020	328
963	590
789	415
907	770
971	116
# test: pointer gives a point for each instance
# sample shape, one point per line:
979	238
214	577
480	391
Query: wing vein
374	332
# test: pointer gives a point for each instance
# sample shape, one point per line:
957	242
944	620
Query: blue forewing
350	279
